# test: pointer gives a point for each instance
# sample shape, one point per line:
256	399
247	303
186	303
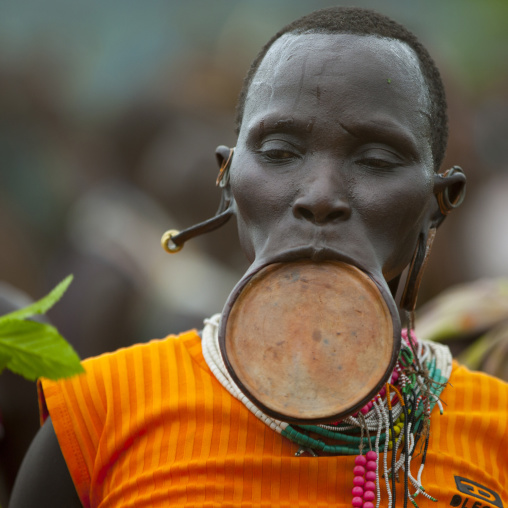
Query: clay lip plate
309	342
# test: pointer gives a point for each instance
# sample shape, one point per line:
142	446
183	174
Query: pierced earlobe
223	176
452	195
450	191
416	269
172	240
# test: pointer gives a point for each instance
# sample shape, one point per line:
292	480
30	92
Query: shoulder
104	373
477	393
132	357
464	377
183	340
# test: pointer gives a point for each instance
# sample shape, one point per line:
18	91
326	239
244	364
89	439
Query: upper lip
310	252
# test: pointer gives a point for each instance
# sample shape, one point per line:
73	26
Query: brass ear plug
167	241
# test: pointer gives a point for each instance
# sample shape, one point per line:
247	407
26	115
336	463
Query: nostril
337	214
305	213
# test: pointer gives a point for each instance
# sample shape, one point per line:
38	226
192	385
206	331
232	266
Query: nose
322	200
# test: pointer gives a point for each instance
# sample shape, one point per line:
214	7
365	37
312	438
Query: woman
341	134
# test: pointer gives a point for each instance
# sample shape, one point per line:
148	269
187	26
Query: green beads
350	448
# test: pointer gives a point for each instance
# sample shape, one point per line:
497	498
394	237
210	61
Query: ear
449	190
224	156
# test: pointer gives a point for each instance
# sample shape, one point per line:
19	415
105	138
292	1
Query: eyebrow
275	123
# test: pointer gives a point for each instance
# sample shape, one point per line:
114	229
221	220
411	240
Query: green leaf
4	360
37	350
41	306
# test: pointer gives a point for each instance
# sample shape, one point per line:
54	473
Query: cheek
245	240
261	200
248	194
261	196
243	189
401	200
394	214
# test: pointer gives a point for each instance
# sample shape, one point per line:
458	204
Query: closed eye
379	158
277	155
376	163
276	151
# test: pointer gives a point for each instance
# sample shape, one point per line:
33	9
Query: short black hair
360	21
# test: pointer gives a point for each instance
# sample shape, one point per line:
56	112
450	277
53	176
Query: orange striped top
150	426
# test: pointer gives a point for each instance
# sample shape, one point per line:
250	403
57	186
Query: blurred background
110	112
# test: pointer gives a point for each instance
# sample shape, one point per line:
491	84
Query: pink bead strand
364	481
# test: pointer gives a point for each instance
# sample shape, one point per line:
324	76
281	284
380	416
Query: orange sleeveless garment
150	426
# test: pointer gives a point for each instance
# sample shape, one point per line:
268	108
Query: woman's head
359	21
340	133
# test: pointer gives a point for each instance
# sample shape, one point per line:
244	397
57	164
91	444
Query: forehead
333	71
325	49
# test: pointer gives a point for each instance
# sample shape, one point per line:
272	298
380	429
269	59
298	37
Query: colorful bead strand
364	481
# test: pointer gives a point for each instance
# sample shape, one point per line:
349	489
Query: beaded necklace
396	419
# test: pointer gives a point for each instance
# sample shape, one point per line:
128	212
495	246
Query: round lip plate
309	342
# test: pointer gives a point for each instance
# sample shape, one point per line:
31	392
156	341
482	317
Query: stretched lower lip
311	253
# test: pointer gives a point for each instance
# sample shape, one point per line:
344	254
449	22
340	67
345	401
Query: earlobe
416	269
224	157
450	190
222	154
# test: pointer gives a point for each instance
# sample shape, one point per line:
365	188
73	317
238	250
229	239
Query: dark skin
43	479
334	156
331	158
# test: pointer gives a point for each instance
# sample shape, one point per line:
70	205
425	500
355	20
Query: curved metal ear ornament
223	176
172	240
416	269
451	197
